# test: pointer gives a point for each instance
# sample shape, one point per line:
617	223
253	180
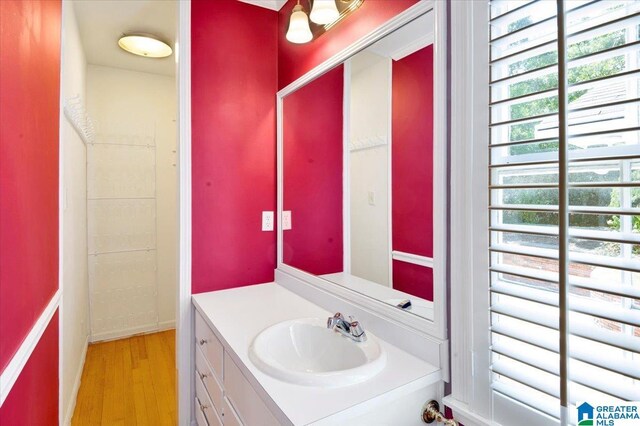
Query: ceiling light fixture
324	12
299	31
145	45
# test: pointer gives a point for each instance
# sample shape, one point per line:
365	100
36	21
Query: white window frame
470	396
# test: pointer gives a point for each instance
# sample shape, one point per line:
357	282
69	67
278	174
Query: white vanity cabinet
231	390
223	395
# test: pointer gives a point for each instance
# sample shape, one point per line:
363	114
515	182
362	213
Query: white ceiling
102	22
269	4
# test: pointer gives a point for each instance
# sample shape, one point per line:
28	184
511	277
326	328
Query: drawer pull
202	342
203	375
203	407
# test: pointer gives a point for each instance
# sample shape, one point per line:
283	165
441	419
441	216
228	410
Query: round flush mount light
324	12
145	45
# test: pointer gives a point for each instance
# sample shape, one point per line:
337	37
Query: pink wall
240	57
29	133
413	279
33	400
234	81
294	60
313	174
412	153
412	168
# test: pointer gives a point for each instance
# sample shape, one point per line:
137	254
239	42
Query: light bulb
324	12
299	31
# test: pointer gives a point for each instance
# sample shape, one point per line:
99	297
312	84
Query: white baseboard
76	385
166	325
121	334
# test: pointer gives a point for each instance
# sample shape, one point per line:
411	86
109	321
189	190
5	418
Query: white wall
369	168
74	311
134	157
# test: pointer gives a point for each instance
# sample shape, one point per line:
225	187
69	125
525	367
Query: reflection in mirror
358	171
312	175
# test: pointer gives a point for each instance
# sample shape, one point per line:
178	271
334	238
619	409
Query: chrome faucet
351	329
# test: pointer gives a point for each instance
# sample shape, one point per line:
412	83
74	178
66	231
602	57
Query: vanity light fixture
299	31
145	45
324	15
324	12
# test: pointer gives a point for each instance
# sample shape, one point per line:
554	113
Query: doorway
119	210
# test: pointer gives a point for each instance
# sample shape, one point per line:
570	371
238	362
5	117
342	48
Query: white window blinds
588	174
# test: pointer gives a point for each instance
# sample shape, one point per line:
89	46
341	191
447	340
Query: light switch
371	198
286	220
267	221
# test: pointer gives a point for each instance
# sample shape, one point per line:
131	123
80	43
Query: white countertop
238	315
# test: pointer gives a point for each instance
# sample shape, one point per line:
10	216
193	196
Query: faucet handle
334	320
356	329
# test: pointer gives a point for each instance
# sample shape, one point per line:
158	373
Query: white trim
19	360
461	270
440	170
166	325
127	332
470	357
279	177
389	247
68	412
346	168
62	200
415	259
413	47
436	328
463	414
267	4
184	310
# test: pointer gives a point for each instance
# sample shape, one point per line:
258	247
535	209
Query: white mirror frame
436	328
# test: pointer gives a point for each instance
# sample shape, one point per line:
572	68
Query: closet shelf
359	144
77	115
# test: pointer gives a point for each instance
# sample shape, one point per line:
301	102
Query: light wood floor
129	382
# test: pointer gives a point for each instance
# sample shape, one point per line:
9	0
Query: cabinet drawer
214	419
230	415
200	420
243	397
210	345
211	384
206	406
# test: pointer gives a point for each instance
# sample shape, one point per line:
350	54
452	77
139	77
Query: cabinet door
229	414
244	399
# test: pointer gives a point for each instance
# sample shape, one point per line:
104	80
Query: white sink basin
305	352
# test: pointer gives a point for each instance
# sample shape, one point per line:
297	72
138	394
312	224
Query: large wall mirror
358	151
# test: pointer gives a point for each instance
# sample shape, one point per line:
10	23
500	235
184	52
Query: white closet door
121	211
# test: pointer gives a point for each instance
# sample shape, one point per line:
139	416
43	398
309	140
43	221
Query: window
593	255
